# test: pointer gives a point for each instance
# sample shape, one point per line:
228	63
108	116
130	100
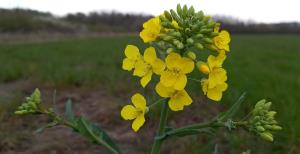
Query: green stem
211	124
161	130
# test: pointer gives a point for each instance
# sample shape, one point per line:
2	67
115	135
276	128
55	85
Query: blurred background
74	49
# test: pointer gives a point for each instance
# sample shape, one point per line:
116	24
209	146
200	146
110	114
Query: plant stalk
161	130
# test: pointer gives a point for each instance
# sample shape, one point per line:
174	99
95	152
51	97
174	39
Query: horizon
242	11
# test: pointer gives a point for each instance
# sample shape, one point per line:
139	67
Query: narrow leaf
69	111
234	108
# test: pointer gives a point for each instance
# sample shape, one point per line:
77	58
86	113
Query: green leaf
69	111
234	108
96	135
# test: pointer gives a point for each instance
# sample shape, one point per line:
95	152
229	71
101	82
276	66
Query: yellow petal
138	123
179	100
187	65
214	94
217	76
141	68
164	91
128	64
175	105
158	66
139	101
150	55
225	35
204	84
128	112
167	78
173	60
146	79
132	52
180	82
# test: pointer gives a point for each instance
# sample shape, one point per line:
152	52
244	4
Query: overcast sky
255	10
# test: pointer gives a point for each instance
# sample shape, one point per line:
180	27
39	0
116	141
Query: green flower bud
168	16
206	18
21	112
207	40
190	41
191	11
260	103
214	34
260	128
169	50
267	105
167	38
276	127
211	24
200	15
198	36
268	127
191	55
211	47
271	114
176	34
188	30
175	17
267	136
204	31
179	10
199	46
185	11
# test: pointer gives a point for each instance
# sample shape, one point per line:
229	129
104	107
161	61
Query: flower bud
203	67
190	41
175	34
267	136
268	127
214	34
271	114
267	105
260	103
169	50
185	10
260	128
168	16
206	18
191	55
191	11
199	36
276	128
207	40
199	46
200	14
179	10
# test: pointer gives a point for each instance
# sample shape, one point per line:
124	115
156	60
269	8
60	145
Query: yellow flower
177	68
222	40
135	112
151	29
178	98
132	57
145	68
217	74
213	68
213	92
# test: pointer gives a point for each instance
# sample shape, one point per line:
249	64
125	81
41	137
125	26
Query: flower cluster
31	105
178	36
262	121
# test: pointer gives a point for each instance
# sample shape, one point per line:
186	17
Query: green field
264	66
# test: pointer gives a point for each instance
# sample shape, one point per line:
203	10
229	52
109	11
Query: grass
264	66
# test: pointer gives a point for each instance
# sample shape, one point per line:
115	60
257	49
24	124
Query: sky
249	10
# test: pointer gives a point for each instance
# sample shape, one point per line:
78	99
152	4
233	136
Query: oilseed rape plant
176	40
